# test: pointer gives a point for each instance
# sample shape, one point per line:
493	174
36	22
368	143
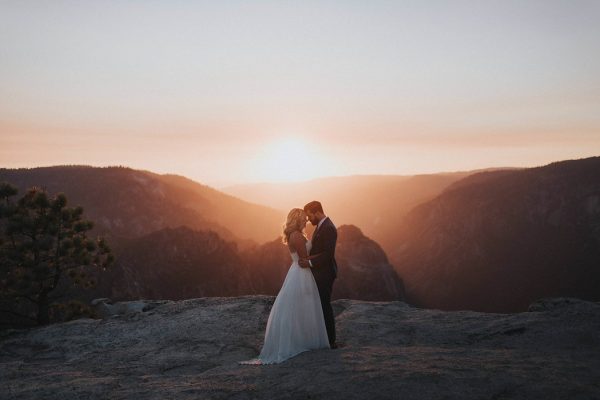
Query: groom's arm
329	237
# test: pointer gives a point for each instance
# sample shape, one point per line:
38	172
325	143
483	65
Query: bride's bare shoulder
296	240
296	235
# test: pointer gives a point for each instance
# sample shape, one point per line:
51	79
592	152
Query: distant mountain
181	263
496	241
376	203
125	202
246	220
175	239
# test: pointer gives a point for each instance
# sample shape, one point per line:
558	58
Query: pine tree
42	241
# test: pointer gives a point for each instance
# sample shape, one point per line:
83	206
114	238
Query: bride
296	322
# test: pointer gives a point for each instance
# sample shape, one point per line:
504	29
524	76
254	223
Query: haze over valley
492	240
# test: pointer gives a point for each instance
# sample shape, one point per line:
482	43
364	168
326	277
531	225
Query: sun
289	159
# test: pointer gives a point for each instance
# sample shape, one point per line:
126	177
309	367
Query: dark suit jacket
324	241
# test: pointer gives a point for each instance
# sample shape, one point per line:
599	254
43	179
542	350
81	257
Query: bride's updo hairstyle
295	222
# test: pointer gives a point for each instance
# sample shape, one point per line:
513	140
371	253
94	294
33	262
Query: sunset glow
288	159
239	92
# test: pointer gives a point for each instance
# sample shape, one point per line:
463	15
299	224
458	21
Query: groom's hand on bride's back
304	263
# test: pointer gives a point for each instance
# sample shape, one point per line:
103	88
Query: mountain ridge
127	202
496	240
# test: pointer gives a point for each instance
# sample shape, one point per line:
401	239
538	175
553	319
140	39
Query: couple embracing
301	318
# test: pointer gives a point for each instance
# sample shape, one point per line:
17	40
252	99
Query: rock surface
189	349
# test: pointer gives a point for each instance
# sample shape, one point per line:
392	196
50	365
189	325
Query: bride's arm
297	243
314	256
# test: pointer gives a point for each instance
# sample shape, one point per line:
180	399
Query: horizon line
293	182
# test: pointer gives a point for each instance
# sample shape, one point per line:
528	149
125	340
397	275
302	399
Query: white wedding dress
296	322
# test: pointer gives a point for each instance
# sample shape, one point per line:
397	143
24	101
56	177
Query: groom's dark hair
313	207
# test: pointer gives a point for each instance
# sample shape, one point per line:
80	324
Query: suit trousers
325	286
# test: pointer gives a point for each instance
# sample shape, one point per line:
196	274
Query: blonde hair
295	222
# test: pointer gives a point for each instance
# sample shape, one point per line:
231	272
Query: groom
323	266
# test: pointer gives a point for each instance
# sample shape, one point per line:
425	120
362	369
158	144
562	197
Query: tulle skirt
296	322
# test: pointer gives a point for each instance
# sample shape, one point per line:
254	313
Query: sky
228	92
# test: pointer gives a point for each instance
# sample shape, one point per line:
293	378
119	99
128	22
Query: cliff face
189	349
498	240
182	263
178	264
363	269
